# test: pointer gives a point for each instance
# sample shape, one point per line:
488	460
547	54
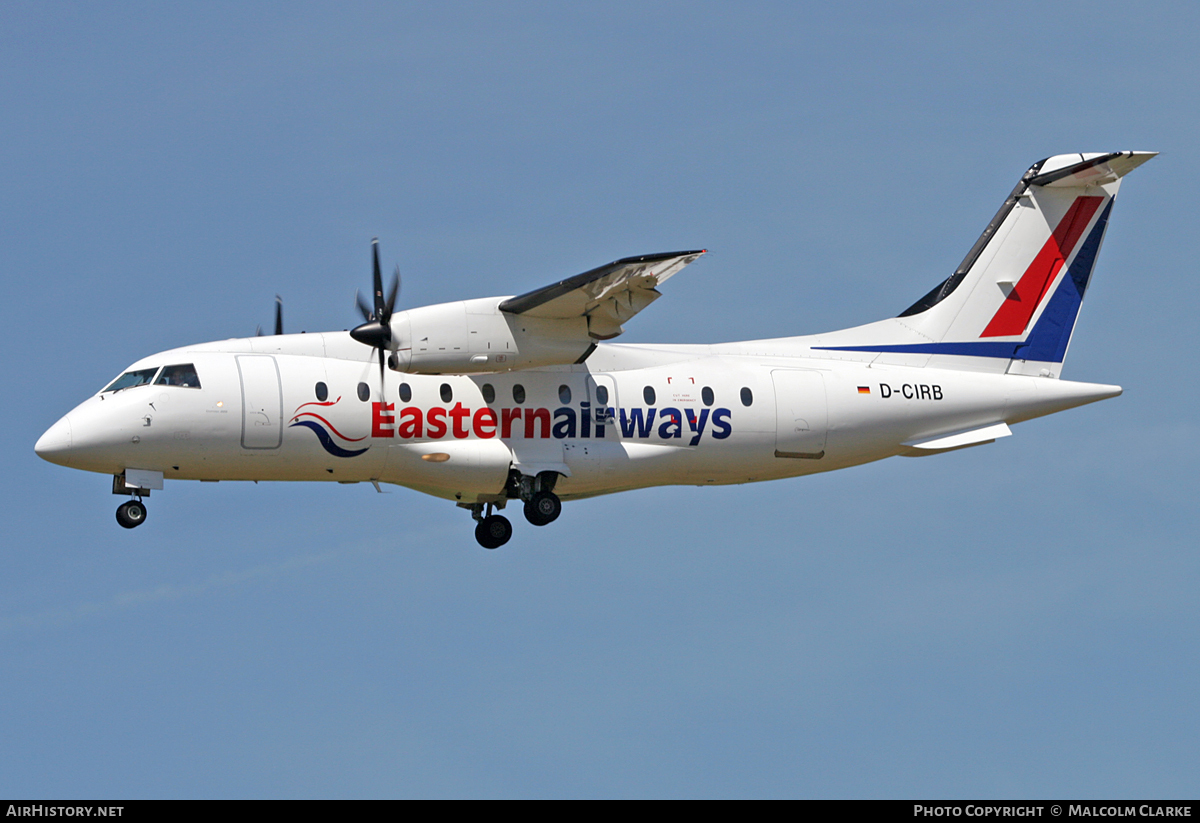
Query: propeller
278	318
376	332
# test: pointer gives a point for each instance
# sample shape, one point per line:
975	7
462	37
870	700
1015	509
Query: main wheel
493	532
543	508
131	514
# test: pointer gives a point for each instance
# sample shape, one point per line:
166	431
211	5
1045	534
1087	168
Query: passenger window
364	392
181	375
132	378
322	392
518	393
706	394
405	392
489	393
602	395
447	393
564	394
747	396
648	395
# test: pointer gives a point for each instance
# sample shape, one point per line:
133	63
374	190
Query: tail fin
1015	297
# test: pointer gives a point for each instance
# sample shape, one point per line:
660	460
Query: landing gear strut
131	514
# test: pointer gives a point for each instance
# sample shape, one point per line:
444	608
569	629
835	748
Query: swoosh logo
324	436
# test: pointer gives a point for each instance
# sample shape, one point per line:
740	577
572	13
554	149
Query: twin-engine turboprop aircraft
516	398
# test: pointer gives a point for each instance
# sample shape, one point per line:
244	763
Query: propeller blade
378	280
393	293
258	331
278	314
376	332
362	306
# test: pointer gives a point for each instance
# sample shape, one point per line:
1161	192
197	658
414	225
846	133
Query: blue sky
1014	620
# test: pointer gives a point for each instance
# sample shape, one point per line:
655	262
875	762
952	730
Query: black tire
493	532
543	508
131	514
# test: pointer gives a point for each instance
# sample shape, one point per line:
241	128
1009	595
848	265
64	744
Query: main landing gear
542	507
491	530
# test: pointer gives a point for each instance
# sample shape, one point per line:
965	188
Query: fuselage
310	407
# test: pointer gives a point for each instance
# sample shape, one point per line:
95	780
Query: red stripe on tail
1017	310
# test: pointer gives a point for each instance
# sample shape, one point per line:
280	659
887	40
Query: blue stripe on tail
1052	332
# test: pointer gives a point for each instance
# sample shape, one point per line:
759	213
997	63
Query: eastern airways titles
462	422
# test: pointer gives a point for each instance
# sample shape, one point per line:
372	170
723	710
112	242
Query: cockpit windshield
132	378
181	375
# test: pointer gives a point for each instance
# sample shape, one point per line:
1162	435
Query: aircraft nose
55	444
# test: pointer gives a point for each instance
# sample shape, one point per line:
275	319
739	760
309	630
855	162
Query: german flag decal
864	389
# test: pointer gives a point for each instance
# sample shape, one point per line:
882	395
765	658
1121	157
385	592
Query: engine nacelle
475	337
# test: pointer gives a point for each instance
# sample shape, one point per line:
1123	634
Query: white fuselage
629	417
493	399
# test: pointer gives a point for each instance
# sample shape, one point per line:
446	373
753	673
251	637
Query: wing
607	296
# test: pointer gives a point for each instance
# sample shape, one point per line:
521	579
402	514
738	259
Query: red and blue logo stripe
326	431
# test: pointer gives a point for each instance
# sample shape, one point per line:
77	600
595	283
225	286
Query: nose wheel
131	514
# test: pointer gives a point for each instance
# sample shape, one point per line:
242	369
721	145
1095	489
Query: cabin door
262	402
801	413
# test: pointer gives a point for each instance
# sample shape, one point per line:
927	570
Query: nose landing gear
131	514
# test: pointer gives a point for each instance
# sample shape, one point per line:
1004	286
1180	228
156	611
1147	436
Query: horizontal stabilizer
1073	170
962	439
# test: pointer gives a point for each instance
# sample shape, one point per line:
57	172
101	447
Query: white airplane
516	398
